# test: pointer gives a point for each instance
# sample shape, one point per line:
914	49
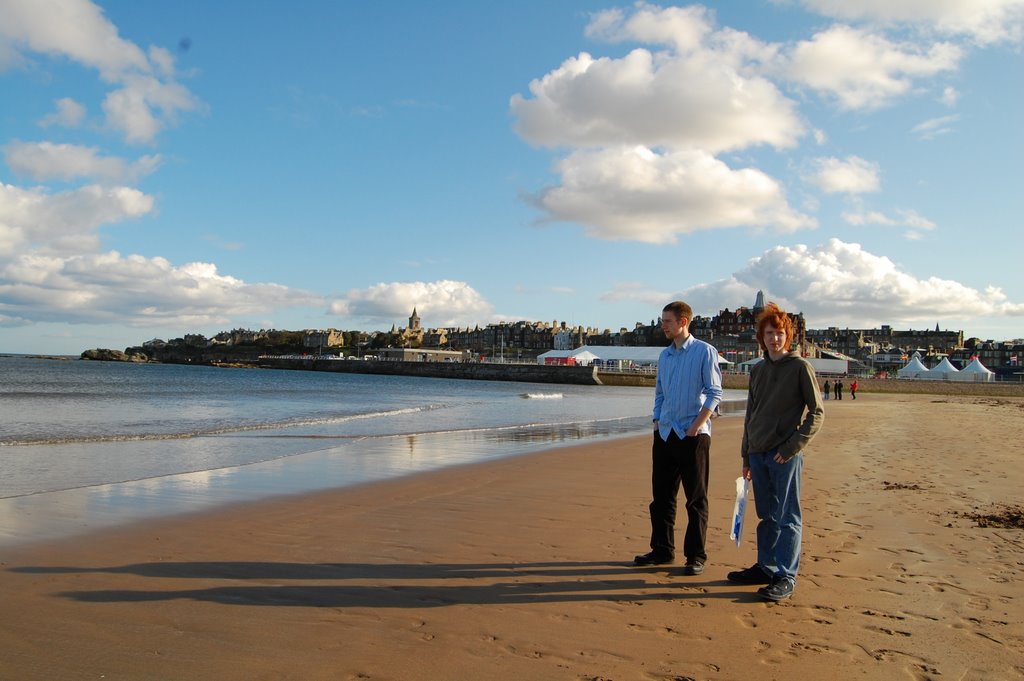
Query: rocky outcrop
106	355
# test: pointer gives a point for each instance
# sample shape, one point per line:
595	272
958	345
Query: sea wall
526	373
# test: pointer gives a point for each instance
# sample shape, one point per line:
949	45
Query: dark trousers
680	461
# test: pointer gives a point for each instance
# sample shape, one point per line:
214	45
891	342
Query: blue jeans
777	502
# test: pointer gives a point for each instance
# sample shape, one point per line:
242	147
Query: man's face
671	325
775	340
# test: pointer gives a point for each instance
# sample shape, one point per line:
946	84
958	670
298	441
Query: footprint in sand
978	603
747	620
875	613
889	632
802	646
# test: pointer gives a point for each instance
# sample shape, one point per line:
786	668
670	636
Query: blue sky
192	167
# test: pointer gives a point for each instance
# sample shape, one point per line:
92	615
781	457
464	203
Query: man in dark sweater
784	412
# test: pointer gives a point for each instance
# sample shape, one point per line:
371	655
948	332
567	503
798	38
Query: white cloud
986	21
134	108
546	290
632	291
63	223
132	290
642	130
912	218
146	96
904	217
49	270
950	96
637	194
852	175
73	28
705	299
702	92
868	217
864	70
933	127
841	284
69	114
438	303
639	99
48	161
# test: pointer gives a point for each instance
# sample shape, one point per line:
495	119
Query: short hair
680	310
773	314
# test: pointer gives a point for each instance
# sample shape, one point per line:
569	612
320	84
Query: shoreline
518	568
63	514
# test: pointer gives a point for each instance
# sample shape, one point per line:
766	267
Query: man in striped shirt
687	392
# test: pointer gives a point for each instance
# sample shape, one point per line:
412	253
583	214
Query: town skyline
556	323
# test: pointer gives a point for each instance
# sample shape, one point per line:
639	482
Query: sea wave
298	422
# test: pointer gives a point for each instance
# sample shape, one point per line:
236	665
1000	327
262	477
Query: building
331	338
1005	358
422	355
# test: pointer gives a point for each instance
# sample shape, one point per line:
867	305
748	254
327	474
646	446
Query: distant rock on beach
106	355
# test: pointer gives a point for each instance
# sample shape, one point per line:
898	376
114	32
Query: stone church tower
414	321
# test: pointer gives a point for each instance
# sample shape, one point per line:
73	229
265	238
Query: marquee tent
944	371
579	356
975	371
914	369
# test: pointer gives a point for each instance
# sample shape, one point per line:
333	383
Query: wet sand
518	569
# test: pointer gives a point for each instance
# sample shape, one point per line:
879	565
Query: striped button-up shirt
689	379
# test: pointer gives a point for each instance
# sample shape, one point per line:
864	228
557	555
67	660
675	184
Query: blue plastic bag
739	509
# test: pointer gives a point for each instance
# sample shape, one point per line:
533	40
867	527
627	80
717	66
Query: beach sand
519	569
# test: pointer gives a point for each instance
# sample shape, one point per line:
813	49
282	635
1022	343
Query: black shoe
780	589
755	574
693	567
652	558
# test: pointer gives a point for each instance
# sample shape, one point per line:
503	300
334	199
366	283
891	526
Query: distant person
839	389
853	390
784	412
687	391
826	390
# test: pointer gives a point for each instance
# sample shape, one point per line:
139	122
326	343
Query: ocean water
88	444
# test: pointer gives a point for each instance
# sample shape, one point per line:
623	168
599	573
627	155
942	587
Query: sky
195	167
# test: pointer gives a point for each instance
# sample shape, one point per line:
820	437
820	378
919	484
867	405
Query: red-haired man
784	412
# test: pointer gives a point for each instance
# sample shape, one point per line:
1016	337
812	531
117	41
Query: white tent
635	355
944	371
975	371
914	369
580	356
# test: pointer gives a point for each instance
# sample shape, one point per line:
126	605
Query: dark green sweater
784	408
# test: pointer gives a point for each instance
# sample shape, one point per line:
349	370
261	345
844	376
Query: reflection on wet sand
49	515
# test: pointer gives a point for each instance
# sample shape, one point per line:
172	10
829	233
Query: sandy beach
519	569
